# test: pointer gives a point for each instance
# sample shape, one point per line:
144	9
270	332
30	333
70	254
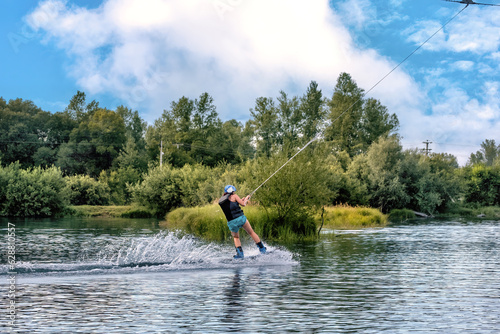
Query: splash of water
163	251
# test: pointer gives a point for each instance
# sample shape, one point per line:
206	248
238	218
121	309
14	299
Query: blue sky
145	54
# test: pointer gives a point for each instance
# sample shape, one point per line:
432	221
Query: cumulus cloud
463	65
148	54
475	30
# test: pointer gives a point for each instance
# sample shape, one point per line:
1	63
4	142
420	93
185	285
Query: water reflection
234	310
437	277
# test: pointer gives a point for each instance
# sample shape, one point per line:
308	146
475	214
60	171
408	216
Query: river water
129	276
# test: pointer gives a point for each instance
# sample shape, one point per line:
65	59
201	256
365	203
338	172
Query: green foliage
488	155
313	112
31	192
118	182
199	184
160	191
347	217
207	222
355	122
192	132
95	144
265	125
85	190
358	160
294	192
482	185
108	211
386	189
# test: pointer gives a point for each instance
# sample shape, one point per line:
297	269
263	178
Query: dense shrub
160	191
209	223
166	188
482	185
117	180
31	192
85	190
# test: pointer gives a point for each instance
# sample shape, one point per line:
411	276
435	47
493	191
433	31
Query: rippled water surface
128	276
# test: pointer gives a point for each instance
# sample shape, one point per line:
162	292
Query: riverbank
115	211
208	221
488	212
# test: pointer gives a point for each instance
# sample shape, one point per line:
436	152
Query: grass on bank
208	222
115	211
348	217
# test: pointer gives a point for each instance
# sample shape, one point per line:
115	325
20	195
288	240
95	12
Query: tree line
94	155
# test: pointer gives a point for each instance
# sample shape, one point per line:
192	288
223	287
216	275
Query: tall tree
79	109
265	125
20	134
94	145
206	126
487	155
289	121
346	110
376	122
313	112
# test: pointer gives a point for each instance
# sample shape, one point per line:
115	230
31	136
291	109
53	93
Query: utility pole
427	149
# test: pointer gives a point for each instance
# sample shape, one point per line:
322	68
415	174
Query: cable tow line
368	91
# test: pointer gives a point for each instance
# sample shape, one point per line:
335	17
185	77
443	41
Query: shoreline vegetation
105	211
208	222
89	161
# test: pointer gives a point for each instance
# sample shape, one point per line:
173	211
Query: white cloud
150	53
475	30
458	123
463	65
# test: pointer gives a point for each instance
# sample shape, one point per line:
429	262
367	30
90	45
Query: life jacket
232	210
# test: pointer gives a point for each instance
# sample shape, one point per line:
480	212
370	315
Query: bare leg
236	237
247	227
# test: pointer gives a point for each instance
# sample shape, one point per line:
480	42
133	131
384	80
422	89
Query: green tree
376	122
294	192
135	126
19	132
131	156
312	106
487	155
482	185
387	190
160	191
445	167
118	181
234	142
288	122
94	144
264	124
346	110
78	109
174	130
206	126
